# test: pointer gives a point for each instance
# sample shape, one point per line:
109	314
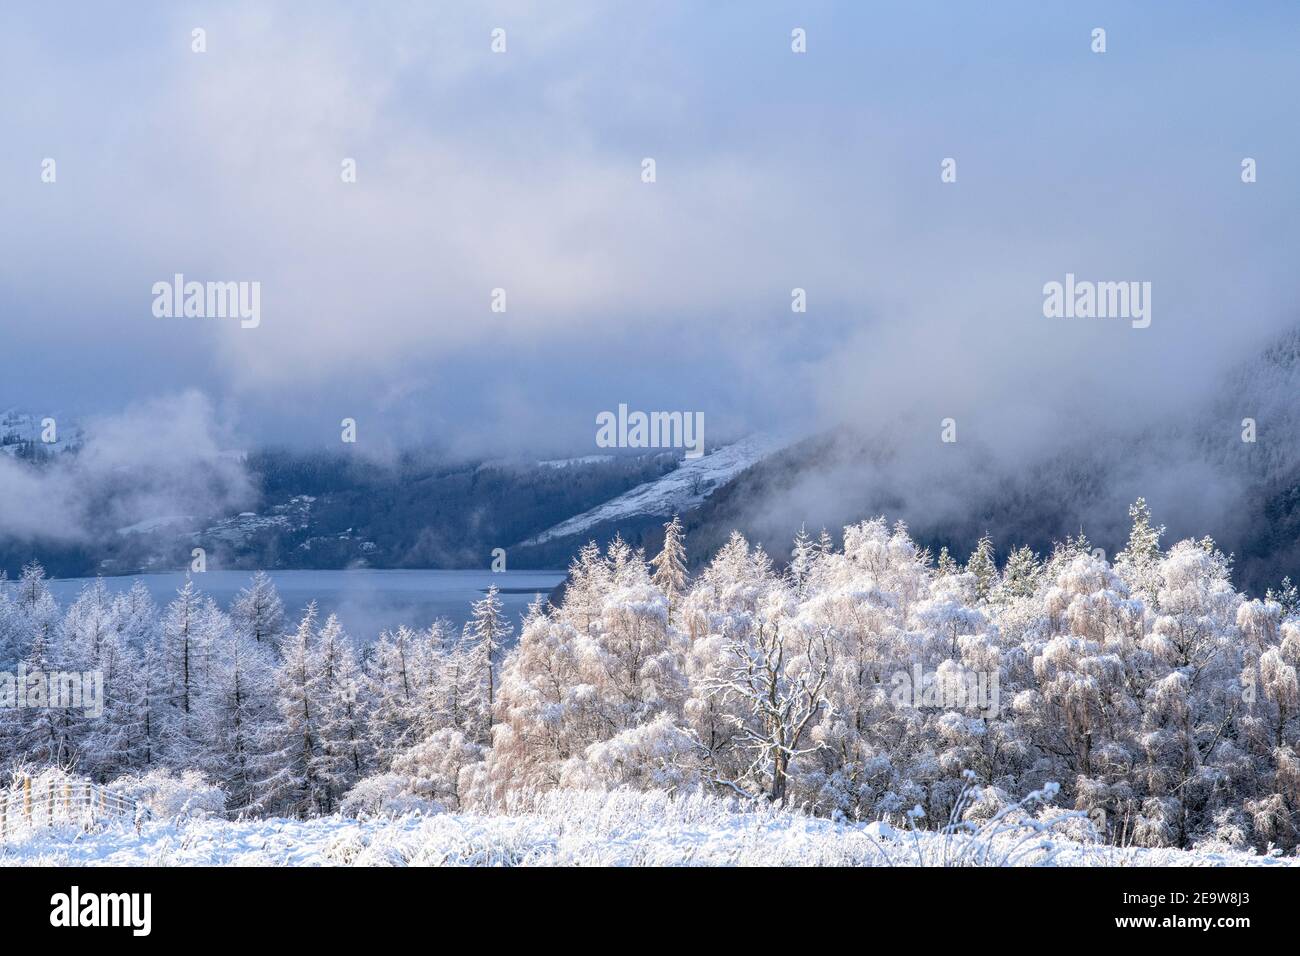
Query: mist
161	458
522	171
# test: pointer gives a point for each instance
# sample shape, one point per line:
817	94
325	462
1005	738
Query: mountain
329	509
685	487
1192	466
25	435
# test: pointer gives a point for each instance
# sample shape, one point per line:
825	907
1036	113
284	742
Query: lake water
366	600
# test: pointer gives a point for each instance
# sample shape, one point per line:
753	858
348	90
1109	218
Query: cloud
162	457
521	171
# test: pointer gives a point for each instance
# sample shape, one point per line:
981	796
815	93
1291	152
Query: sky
522	170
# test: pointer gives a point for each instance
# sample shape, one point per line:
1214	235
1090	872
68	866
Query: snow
573	828
28	427
293	515
151	525
880	830
680	490
570	462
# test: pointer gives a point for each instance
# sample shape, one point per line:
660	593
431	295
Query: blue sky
521	171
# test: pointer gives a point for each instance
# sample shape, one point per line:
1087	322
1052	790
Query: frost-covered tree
777	683
803	554
670	564
586	584
143	688
258	611
239	719
1138	563
395	686
114	741
88	622
190	626
45	730
341	731
545	716
770	675
291	775
1287	596
487	632
982	566
1021	575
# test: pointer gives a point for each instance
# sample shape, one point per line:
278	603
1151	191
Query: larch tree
340	731
487	631
258	610
290	778
982	564
239	718
670	564
1138	564
187	631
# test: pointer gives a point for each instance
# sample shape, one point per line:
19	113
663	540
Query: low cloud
159	458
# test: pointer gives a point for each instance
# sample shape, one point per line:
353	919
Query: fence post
49	803
27	797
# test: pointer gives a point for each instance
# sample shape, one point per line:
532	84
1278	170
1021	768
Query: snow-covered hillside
572	828
680	490
19	427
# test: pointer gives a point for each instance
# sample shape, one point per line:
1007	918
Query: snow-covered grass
586	829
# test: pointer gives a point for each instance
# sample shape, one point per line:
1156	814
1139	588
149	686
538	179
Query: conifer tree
1022	573
290	780
340	731
239	716
1138	563
670	564
258	610
802	555
488	631
983	566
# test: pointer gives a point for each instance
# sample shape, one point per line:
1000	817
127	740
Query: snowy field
586	829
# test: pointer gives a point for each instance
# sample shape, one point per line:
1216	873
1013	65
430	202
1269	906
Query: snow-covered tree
1021	575
772	678
982	565
487	632
258	611
670	564
190	626
1138	563
239	719
341	730
291	774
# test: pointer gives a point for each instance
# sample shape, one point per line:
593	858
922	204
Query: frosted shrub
655	756
429	777
169	795
385	794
